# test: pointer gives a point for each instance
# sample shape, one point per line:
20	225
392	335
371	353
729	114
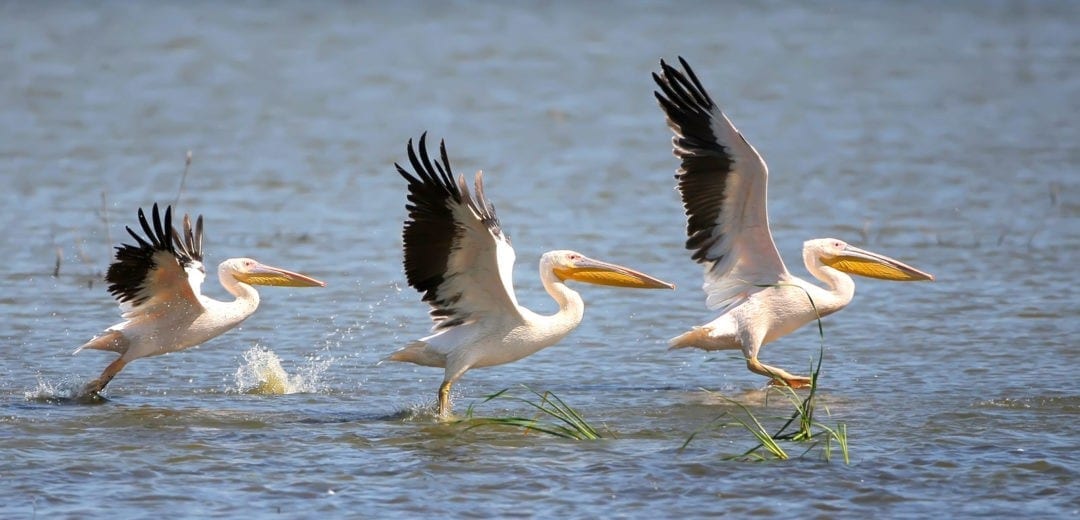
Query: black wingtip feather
127	275
189	243
428	233
705	161
431	230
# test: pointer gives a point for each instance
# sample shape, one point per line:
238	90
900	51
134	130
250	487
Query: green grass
553	417
799	431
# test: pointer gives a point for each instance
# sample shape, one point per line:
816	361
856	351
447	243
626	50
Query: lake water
944	134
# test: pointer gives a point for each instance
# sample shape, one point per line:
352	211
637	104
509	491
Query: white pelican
457	256
158	285
722	180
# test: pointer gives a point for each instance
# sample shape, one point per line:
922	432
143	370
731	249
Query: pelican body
722	180
158	281
458	257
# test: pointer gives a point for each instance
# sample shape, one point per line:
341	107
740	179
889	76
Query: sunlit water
943	134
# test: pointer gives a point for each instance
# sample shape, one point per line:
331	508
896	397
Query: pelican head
847	258
251	272
571	265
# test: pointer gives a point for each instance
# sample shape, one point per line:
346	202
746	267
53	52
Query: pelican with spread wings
458	257
722	180
158	282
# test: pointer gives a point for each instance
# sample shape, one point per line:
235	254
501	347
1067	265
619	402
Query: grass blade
567	424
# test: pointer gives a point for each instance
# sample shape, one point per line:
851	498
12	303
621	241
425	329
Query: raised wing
154	276
189	246
723	181
455	252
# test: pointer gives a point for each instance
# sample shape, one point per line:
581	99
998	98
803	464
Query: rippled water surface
943	134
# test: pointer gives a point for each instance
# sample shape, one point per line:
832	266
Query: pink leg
97	385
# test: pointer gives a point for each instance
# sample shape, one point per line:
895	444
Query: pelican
157	283
458	257
722	180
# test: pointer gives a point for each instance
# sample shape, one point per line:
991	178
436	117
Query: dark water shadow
400	415
54	399
64	400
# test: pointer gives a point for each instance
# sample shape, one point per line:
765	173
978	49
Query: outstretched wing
723	181
162	273
456	254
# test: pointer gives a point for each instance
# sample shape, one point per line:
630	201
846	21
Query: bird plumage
456	253
723	182
457	256
157	282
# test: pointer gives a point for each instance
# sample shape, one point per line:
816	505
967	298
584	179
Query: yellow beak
864	263
602	273
267	275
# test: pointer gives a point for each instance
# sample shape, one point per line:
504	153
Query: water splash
418	411
63	392
47	390
261	372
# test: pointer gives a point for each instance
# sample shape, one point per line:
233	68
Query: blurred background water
944	134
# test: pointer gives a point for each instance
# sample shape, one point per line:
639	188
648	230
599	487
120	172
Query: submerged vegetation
800	430
561	420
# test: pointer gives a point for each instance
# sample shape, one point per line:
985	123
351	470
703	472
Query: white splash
64	391
261	373
45	390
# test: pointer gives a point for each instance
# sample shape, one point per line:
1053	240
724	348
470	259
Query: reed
183	179
553	417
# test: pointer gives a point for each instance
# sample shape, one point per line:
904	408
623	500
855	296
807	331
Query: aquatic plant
567	423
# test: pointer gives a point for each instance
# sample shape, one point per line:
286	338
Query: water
944	135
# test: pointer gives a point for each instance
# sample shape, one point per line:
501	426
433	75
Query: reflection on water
942	134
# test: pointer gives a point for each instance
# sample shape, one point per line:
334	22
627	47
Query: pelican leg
97	385
444	398
779	376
